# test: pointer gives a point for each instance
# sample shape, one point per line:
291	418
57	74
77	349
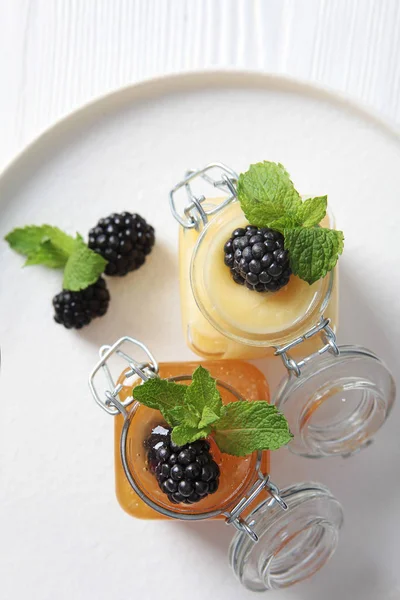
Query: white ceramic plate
62	533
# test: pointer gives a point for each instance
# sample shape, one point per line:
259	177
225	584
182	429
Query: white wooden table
56	55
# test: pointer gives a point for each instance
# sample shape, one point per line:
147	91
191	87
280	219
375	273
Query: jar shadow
360	482
355	481
215	534
362	322
344	577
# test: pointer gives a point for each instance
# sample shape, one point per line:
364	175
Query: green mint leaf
313	251
47	254
288	221
161	395
184	434
83	267
240	427
181	414
249	426
64	242
190	410
203	392
266	194
208	417
311	212
27	240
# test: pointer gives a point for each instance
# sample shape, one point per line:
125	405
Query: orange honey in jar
237	473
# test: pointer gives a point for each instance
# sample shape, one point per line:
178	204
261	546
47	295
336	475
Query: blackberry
77	309
187	473
257	258
124	240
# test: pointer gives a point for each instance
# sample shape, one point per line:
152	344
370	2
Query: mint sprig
248	426
269	199
266	194
191	410
164	396
83	267
312	211
195	411
51	247
313	251
47	254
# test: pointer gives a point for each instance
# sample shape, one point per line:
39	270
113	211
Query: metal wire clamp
263	483
144	370
329	345
194	213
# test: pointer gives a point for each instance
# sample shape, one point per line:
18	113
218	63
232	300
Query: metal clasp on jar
328	337
234	518
145	370
194	213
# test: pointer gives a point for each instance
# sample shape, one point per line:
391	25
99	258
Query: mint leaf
160	394
184	434
312	211
83	267
288	221
249	426
190	410
47	254
313	251
266	194
203	392
208	417
61	240
27	240
181	414
240	427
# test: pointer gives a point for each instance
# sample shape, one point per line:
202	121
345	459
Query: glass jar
235	379
334	397
220	318
282	537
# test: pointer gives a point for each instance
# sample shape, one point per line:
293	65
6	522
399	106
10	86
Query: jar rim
338	404
311	507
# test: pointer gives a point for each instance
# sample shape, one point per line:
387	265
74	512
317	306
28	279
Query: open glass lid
336	402
292	544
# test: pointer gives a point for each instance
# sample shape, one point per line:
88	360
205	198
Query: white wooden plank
57	55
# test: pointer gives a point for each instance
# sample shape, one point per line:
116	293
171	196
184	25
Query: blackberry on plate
77	309
124	240
257	258
186	473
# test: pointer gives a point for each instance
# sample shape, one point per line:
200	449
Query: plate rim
193	78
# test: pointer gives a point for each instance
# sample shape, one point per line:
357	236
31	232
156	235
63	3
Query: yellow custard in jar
222	319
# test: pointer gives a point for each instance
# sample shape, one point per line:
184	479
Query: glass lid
337	403
292	544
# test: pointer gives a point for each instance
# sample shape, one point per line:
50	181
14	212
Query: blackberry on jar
124	240
74	310
188	473
257	258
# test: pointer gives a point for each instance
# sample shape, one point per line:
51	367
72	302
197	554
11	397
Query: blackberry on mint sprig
117	245
178	453
283	236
